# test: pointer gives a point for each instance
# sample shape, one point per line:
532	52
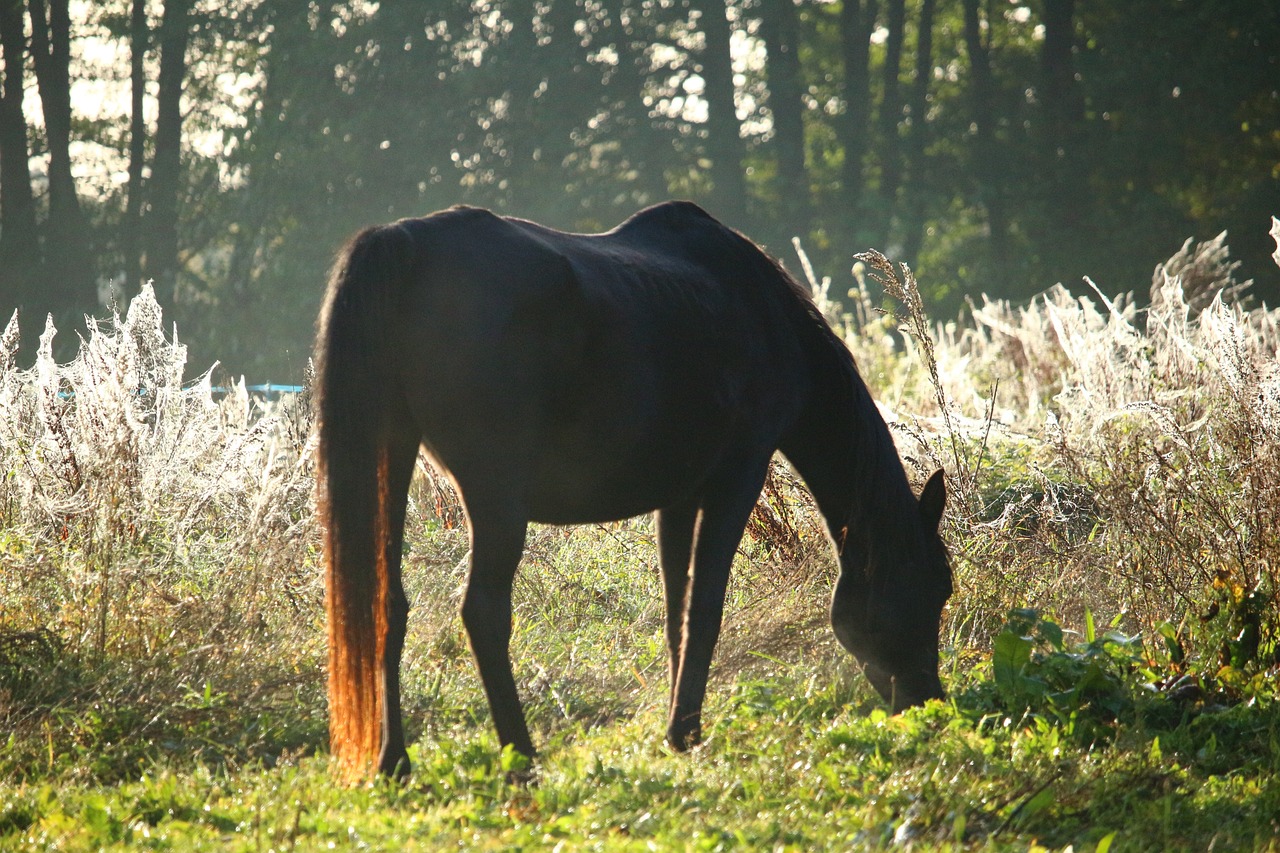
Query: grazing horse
575	378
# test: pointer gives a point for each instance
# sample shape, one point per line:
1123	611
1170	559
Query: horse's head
888	601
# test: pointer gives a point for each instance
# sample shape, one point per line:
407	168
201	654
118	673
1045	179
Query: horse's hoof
523	777
683	739
395	768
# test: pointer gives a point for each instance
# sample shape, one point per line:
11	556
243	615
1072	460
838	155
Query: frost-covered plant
145	484
1204	272
1160	426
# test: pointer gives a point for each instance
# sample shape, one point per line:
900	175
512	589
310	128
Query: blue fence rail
270	389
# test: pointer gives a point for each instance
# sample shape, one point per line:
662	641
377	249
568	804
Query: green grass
1050	739
794	759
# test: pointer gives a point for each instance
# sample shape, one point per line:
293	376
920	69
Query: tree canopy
226	149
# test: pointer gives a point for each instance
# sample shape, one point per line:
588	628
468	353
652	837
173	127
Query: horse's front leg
497	541
726	506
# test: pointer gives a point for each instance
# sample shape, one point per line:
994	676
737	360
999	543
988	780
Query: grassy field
1110	652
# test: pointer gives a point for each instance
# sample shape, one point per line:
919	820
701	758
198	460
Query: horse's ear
933	497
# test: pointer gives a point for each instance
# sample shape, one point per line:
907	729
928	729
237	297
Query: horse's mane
874	461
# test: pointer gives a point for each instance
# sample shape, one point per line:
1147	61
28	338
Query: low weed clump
1110	653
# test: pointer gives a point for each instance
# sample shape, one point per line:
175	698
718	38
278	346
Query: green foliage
1084	687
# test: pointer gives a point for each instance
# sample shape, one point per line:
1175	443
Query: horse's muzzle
905	690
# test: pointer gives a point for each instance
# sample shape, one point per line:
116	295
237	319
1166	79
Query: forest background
226	149
1111	649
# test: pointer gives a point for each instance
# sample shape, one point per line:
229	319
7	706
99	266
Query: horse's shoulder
466	230
678	215
459	215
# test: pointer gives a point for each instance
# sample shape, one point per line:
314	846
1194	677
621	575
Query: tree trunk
1059	96
1065	185
131	228
645	146
554	92
69	279
891	113
857	20
19	249
916	191
289	33
780	29
724	137
986	165
166	176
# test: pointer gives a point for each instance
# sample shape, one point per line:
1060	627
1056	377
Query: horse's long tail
353	395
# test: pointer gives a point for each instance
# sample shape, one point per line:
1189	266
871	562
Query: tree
891	109
166	188
916	191
1096	136
553	107
985	157
69	285
780	29
1059	94
644	148
857	20
131	226
19	246
728	198
1064	201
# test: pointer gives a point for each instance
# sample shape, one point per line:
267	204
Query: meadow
1110	653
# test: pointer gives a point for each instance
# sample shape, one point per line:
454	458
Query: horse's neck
842	449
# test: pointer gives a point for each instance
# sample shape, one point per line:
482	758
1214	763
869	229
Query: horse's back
593	376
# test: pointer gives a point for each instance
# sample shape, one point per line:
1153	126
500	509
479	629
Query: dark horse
568	378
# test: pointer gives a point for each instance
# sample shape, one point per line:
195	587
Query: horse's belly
586	501
575	496
660	463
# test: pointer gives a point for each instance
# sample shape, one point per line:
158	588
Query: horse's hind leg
675	549
497	541
401	455
726	506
